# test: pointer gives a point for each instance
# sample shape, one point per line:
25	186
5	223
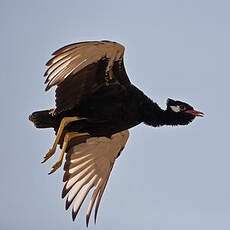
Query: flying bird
96	104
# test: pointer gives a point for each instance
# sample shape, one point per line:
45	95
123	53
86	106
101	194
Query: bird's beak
195	113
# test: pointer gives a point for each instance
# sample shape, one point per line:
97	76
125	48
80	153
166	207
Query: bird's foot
55	167
48	155
67	138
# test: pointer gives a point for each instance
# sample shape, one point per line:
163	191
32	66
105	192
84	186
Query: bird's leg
67	138
65	121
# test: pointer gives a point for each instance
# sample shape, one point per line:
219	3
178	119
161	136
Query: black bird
96	104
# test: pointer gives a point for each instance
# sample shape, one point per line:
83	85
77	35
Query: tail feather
43	119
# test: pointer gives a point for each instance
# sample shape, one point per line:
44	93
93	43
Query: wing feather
56	59
73	180
92	201
100	195
89	52
80	68
73	171
88	165
77	187
63	71
56	69
55	66
72	46
83	193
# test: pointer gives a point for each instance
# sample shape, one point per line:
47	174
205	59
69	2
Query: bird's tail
43	119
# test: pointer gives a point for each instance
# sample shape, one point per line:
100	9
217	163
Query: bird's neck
155	116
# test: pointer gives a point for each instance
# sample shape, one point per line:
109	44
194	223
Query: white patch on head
175	108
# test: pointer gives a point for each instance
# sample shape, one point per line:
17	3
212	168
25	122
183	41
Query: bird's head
181	113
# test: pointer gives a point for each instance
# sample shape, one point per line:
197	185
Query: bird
96	105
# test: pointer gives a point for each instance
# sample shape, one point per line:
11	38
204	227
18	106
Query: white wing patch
89	165
75	57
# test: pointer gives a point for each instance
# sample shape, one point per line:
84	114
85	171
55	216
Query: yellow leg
67	138
65	121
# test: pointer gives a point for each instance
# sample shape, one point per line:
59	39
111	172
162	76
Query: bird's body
94	100
109	110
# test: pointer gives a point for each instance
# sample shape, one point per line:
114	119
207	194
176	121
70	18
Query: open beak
195	113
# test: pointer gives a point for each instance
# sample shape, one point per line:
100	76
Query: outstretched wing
81	68
88	165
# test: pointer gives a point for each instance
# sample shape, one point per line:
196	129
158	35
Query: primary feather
87	66
89	164
75	57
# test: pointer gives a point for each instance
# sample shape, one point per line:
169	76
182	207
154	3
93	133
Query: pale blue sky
167	178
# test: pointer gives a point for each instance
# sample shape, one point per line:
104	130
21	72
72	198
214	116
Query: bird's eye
182	108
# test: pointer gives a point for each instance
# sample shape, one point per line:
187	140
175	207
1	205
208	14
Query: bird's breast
111	110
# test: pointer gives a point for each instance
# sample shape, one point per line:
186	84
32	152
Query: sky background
169	178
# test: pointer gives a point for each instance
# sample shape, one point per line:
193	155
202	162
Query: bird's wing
81	68
88	166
